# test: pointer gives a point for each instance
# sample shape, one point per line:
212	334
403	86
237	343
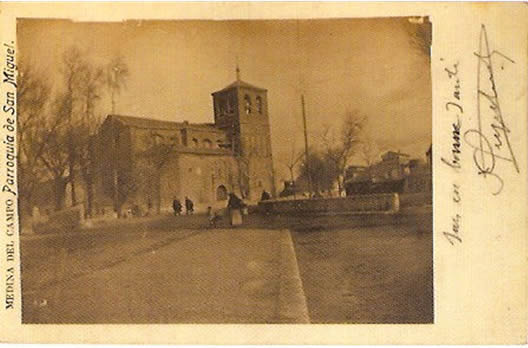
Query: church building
146	163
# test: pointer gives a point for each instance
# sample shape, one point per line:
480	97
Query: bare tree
116	74
55	158
339	148
295	157
83	85
317	171
73	70
32	97
47	137
66	131
368	151
90	93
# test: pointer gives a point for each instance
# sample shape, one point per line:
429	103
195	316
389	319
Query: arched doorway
221	193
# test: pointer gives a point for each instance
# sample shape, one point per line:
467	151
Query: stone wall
416	199
199	178
359	203
62	221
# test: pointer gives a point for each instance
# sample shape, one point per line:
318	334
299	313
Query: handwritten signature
491	144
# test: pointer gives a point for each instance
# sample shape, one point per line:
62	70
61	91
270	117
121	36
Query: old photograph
225	171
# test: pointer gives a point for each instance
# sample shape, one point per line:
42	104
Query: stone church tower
241	110
146	163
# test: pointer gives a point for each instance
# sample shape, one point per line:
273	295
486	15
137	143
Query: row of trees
324	166
57	121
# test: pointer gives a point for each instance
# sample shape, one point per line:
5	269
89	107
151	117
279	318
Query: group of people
177	206
235	208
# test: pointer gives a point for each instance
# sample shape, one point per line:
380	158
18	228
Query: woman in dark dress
234	206
176	206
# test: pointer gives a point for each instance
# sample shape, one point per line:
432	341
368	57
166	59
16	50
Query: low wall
62	221
416	199
387	202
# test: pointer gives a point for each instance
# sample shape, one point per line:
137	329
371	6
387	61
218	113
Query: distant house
391	167
396	172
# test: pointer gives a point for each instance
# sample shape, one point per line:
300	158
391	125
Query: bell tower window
247	104
259	104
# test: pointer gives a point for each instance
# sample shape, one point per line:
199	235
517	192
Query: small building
393	166
396	172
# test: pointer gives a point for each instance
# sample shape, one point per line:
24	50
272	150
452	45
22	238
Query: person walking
189	206
176	206
234	207
265	197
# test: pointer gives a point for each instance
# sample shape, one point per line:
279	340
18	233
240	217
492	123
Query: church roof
238	84
149	123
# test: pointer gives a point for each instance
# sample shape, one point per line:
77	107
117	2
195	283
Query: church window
195	142
158	139
247	104
259	104
207	143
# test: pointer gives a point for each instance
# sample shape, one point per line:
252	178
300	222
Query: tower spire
237	73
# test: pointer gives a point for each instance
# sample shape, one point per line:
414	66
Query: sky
368	66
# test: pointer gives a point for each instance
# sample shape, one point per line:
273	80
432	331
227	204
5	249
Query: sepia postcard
264	173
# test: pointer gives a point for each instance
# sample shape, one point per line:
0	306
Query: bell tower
241	110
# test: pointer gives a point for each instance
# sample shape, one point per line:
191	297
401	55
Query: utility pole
115	72
306	144
115	163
